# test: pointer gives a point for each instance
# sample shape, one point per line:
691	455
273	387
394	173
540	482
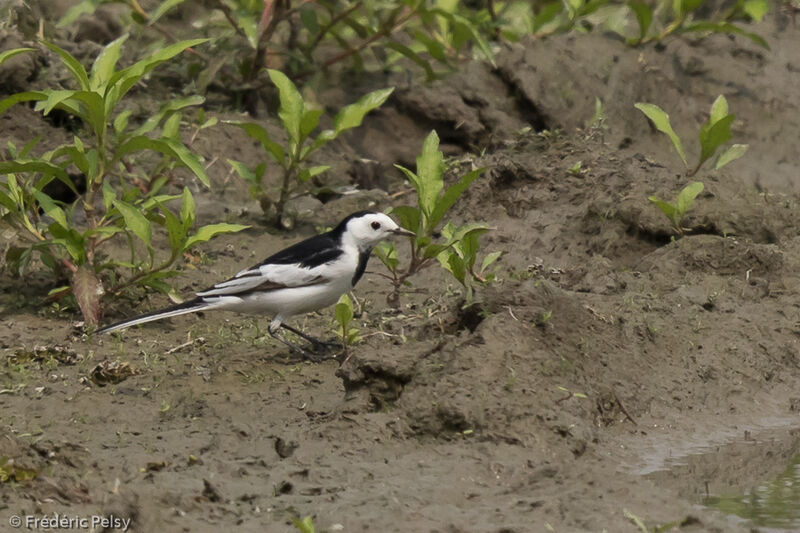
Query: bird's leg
313	340
275	325
276	335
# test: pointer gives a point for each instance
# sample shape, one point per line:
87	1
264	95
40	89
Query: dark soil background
603	352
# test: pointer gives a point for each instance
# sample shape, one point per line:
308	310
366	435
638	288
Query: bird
305	277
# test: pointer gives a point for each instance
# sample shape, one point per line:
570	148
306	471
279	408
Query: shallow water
773	503
756	478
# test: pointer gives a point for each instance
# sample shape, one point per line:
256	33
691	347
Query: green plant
299	121
658	20
676	211
304	39
713	133
577	170
457	253
305	525
459	258
118	201
10	471
324	33
343	311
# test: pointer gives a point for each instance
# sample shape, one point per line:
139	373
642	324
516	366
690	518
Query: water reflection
774	504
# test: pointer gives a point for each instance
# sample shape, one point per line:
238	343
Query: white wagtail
304	277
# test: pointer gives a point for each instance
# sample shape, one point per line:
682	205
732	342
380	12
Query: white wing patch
266	277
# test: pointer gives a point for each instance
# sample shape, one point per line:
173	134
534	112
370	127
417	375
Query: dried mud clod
577	433
109	372
44	354
17	73
713	254
379	378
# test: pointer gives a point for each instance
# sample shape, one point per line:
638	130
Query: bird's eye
376	225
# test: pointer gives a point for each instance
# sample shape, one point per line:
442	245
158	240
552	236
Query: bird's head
365	229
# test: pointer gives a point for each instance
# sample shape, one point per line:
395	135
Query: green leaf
135	221
103	67
168	147
96	116
207	232
55	98
723	27
27	96
306	525
409	217
187	209
432	250
7	202
189	159
121	121
387	253
731	154
352	115
667	208
683	7
715	136
85	7
477	37
490	259
451	262
109	195
71	240
644	16
124	79
176	230
324	137
244	172
8	54
756	9
435	48
72	64
259	133
546	15
35	165
308	173
292	105
454	234
51	209
686	197
14	191
412	177
430	168
153	201
452	194
162	9
168	109
92	165
308	16
344	310
172	128
661	121
719	110
309	122
408	53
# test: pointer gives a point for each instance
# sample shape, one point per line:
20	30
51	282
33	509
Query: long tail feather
191	306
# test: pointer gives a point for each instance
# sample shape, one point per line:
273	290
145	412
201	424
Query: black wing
309	253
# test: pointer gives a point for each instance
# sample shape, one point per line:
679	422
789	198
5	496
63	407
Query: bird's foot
325	346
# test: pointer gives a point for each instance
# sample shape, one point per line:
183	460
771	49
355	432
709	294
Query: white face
369	230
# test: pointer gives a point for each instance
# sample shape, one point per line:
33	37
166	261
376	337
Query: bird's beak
401	231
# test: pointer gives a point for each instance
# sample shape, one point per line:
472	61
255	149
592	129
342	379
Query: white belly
294	300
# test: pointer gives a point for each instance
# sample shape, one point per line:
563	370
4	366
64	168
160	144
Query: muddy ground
605	351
